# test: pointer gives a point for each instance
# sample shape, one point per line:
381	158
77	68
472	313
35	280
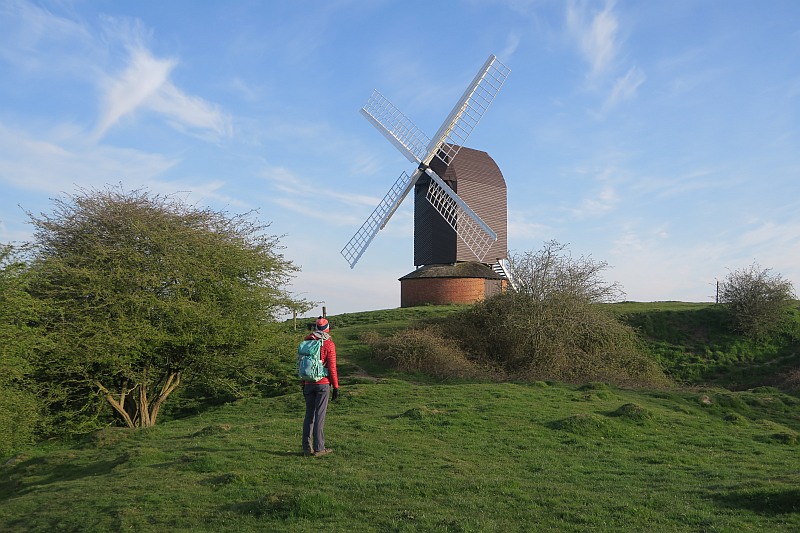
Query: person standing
316	393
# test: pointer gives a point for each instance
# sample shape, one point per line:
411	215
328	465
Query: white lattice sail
396	127
469	227
420	149
466	114
355	248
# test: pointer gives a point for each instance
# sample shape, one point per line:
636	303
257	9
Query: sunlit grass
414	455
496	457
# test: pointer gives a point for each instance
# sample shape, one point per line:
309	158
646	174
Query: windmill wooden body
460	218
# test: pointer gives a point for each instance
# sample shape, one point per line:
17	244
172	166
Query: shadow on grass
765	502
19	479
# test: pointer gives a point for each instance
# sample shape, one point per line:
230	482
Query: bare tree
552	271
757	298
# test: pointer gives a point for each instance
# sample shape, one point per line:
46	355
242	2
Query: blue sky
660	137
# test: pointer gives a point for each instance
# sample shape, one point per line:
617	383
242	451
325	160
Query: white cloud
512	42
602	199
767	235
43	165
521	229
595	33
600	203
653	267
183	110
297	195
144	83
35	40
625	88
682	184
143	77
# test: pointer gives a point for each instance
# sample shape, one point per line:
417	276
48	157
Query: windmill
447	230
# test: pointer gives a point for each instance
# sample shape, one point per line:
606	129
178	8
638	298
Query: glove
335	395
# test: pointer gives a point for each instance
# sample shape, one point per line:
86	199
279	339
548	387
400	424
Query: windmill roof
466	269
472	165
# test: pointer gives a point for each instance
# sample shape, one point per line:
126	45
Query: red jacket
327	354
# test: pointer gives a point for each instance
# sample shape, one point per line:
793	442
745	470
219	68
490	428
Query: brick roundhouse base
441	285
441	291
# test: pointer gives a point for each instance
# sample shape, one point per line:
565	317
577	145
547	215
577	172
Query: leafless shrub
425	350
758	300
552	270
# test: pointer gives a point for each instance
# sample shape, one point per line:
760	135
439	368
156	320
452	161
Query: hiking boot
320	453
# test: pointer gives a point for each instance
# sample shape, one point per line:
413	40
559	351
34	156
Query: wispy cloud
43	165
512	42
185	112
603	199
522	228
143	77
658	266
602	202
624	88
772	235
682	184
595	33
35	40
655	269
145	84
341	209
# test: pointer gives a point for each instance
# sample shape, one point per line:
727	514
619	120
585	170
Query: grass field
412	455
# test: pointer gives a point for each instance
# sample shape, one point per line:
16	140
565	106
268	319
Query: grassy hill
412	455
694	343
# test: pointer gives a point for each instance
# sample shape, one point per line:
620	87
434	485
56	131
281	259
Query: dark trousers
316	396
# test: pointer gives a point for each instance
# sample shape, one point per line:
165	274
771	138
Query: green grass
479	457
695	344
412	455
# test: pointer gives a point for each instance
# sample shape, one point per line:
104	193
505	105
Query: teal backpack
309	364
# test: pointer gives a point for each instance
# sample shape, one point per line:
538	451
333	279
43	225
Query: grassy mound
514	337
696	343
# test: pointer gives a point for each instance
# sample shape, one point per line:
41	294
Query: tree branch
117	405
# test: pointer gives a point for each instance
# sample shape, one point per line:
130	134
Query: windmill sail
475	233
355	248
421	150
466	114
396	127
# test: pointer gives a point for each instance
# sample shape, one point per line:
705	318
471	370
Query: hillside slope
695	345
419	456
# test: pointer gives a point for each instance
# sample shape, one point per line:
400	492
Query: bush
141	294
19	417
561	337
424	350
758	300
20	412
